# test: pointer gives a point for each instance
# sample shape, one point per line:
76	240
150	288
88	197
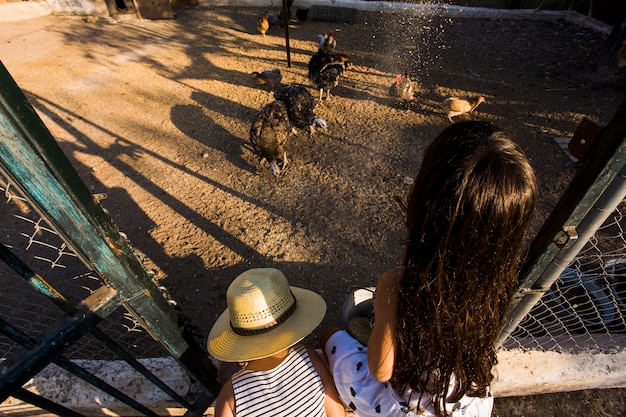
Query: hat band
251	332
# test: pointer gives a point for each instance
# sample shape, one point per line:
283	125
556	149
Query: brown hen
453	106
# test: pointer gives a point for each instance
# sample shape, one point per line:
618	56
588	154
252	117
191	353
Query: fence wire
29	237
585	308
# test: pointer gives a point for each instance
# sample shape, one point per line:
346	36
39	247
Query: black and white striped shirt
291	389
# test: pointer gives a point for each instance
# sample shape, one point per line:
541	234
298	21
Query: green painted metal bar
557	243
41	285
45	404
74	369
28	362
14	334
203	402
103	386
32	159
35	280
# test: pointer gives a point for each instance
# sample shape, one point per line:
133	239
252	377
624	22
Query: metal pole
286	18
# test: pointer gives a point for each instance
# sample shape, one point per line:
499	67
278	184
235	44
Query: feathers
453	106
268	135
330	43
325	75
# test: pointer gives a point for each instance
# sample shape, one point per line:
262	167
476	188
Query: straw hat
264	316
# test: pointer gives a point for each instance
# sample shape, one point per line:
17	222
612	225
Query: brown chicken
263	24
453	106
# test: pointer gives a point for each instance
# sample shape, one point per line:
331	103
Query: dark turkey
302	14
326	68
300	107
268	135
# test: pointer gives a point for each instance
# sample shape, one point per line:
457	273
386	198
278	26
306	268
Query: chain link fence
585	308
30	238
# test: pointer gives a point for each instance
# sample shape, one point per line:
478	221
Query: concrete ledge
16	11
519	372
23	10
524	372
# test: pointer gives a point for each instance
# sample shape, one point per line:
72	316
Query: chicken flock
293	107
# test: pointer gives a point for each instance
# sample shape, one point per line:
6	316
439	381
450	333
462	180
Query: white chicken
270	78
268	135
453	106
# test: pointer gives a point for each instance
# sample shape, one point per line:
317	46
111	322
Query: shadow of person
196	124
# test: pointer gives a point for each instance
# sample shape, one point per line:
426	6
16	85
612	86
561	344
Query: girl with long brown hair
431	351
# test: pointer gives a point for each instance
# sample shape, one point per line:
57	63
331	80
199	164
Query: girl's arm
332	404
225	402
381	344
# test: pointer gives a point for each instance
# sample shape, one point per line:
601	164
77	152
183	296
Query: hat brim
225	345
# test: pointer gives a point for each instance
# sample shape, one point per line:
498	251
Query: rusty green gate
88	273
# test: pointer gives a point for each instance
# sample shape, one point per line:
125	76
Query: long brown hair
467	215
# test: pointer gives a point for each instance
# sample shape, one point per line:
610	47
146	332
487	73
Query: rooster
300	104
330	43
263	24
268	135
271	78
402	89
326	68
453	106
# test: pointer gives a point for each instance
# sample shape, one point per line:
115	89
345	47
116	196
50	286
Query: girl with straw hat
261	330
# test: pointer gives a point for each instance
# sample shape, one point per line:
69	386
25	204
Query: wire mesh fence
35	242
585	308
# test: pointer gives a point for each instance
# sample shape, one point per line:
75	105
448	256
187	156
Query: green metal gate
45	194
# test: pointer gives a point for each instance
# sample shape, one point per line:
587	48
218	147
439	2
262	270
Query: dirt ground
156	115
